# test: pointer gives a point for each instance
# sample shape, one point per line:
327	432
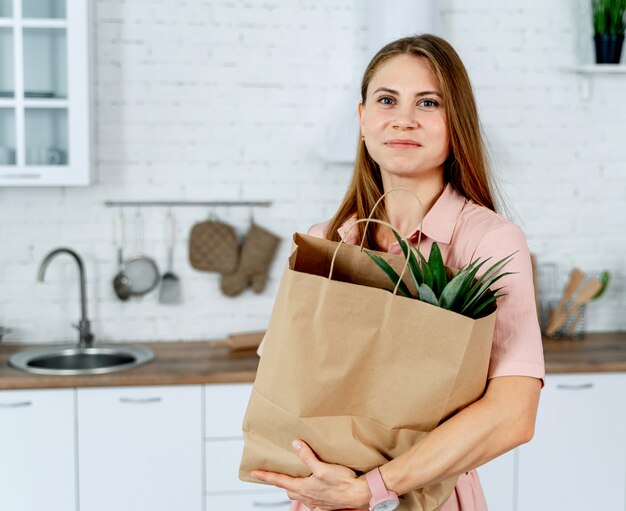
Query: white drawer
225	407
252	502
222	467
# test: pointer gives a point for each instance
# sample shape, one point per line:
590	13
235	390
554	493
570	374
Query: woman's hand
329	487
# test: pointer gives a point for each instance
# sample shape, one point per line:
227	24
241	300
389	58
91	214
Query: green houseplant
463	292
609	25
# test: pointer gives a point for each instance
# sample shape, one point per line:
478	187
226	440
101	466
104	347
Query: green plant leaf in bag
426	273
391	273
453	289
437	269
427	295
485	287
470	286
482	310
414	268
485	281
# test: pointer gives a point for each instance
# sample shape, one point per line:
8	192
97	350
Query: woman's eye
385	100
428	103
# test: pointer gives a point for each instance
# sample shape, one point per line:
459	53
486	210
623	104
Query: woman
420	130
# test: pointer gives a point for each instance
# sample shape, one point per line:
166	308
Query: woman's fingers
306	454
280	480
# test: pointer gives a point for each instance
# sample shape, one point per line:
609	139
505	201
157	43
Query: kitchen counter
187	363
175	363
597	352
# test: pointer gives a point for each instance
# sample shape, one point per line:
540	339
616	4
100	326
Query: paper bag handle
376	221
369	218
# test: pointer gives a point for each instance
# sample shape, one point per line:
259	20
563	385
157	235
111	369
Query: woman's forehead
404	74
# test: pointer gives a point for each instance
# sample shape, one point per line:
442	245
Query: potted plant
609	25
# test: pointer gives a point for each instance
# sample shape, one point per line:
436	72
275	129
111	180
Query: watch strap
379	491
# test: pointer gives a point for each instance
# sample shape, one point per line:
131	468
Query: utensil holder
573	328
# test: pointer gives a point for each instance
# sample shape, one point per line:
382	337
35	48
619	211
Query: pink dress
465	231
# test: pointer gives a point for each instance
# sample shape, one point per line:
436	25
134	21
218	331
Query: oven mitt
257	253
213	247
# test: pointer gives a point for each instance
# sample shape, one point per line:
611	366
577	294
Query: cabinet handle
140	400
580	386
272	504
20	404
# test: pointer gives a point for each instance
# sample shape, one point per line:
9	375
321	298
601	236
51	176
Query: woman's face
403	118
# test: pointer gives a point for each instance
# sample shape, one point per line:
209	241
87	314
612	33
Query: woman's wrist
362	492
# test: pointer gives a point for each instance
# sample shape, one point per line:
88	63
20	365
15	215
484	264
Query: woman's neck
402	209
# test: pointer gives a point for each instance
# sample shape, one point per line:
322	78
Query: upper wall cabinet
44	93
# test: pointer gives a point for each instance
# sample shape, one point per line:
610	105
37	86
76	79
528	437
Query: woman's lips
402	144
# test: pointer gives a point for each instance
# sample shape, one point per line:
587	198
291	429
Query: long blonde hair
466	167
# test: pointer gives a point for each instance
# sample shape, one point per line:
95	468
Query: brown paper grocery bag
357	372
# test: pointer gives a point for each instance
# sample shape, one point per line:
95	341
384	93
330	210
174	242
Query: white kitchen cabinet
225	407
44	93
248	502
37	450
140	448
497	479
577	459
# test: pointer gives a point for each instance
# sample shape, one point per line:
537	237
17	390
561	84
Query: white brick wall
230	100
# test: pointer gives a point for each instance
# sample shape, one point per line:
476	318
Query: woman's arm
503	419
500	421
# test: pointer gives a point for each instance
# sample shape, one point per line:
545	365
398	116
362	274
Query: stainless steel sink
71	360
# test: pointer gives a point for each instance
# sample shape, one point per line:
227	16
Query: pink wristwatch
382	498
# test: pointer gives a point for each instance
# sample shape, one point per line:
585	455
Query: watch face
387	505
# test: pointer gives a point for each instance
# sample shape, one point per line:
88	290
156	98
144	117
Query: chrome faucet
85	337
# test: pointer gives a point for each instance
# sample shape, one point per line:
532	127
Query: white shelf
590	69
587	72
43	23
46	103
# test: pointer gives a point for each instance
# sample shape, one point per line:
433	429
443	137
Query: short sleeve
517	345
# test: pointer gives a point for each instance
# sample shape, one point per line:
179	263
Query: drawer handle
272	504
580	386
140	400
20	404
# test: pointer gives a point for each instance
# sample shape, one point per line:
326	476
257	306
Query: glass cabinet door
43	9
45	63
7	89
45	83
7	76
7	136
6	8
45	132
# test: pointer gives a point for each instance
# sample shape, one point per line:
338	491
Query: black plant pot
608	48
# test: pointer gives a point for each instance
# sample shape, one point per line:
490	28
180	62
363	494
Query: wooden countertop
597	352
187	363
175	363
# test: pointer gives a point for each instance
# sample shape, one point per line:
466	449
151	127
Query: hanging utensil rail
263	204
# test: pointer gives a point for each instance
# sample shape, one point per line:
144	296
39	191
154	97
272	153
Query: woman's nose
406	118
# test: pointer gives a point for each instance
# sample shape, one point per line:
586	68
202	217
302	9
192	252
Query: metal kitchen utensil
141	270
121	283
586	293
170	283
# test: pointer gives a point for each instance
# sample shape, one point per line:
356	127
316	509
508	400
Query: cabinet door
225	408
577	459
37	450
498	481
44	93
249	502
140	448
